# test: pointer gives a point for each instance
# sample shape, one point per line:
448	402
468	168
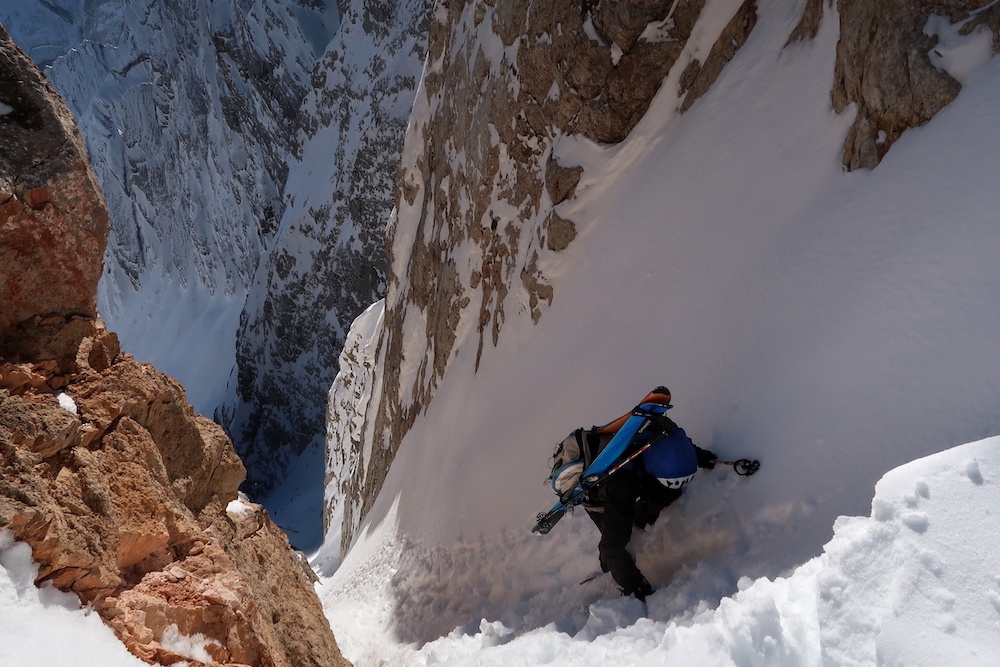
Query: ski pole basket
744	467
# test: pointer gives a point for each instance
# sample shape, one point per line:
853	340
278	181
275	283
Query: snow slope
913	584
834	325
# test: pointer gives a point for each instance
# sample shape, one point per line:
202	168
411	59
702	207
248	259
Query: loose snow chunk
67	402
971	470
916	521
193	647
240	507
4	109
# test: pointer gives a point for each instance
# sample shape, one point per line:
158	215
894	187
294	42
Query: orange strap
652	397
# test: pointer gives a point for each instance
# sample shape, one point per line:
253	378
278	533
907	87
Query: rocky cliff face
478	194
327	263
478	189
126	497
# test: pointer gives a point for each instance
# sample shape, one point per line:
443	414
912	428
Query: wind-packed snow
833	325
44	627
915	583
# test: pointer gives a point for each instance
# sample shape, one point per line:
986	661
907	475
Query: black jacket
630	497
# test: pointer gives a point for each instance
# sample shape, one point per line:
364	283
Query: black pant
627	498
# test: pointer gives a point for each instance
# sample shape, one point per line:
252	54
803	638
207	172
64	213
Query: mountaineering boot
639	590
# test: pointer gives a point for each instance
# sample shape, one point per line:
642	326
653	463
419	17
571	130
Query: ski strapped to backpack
546	520
576	471
604	465
578	450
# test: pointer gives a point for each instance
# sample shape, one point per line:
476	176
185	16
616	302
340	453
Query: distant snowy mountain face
221	137
327	262
190	113
476	222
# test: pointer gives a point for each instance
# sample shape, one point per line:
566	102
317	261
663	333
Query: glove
706	459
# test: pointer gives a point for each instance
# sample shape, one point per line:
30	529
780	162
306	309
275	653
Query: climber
635	495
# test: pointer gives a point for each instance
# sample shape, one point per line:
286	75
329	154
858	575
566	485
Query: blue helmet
672	459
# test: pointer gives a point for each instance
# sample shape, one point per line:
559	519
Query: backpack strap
589	445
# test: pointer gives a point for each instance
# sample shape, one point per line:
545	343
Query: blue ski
605	464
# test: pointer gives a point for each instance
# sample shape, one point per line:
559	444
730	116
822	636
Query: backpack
577	451
569	459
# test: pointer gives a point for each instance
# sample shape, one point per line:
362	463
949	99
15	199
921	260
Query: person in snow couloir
635	495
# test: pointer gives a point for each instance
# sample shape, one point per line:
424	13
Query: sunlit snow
841	327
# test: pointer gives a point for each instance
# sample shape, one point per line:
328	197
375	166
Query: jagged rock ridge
126	497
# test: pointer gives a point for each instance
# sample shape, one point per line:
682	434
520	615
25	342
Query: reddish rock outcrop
53	222
126	497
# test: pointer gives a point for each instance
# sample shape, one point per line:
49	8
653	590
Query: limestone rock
883	66
41	425
124	503
700	77
809	24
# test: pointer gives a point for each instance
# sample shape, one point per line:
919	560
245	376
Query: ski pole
593	480
744	467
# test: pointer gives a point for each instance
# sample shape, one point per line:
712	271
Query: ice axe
744	467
